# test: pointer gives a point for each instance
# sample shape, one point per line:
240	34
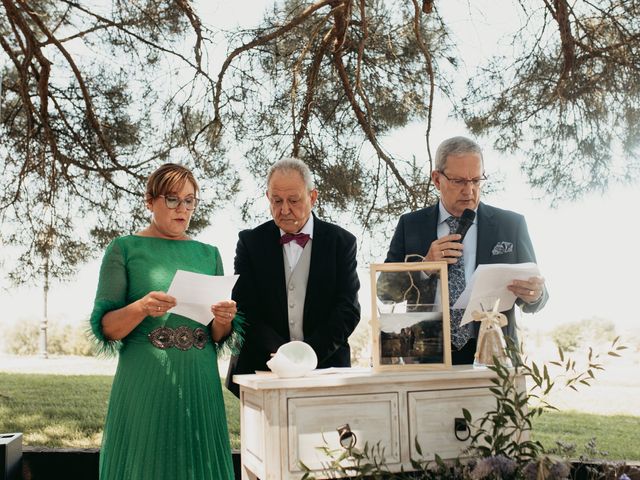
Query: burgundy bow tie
300	238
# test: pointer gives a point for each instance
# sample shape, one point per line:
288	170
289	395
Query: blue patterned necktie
459	334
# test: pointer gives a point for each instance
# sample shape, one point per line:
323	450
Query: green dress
166	416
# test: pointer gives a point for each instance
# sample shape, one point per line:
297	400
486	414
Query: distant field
69	411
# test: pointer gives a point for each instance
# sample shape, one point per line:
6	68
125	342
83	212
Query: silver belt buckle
183	338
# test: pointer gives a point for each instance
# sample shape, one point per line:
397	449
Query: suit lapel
486	235
319	257
431	224
274	262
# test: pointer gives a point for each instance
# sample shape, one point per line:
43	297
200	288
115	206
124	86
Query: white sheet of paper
491	280
196	292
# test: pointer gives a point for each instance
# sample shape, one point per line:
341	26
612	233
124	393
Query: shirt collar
443	213
307	228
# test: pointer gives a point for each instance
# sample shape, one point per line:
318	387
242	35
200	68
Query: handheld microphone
466	220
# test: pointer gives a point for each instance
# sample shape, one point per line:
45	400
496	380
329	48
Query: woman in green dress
166	417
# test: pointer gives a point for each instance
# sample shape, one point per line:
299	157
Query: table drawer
313	423
432	420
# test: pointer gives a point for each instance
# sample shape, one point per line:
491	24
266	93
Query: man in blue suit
496	236
298	278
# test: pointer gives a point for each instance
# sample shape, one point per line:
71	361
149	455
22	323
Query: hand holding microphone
449	247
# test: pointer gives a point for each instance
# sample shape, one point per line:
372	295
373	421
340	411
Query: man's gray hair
292	164
456	146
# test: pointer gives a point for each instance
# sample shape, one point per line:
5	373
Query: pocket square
501	248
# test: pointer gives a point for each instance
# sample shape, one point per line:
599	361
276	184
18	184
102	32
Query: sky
585	250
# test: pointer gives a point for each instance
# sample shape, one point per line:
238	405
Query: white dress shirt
292	250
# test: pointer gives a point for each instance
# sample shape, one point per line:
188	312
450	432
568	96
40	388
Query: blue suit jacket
417	230
331	308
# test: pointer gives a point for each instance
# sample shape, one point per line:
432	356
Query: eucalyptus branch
197	29
368	130
372	204
86	95
105	172
310	81
262	40
312	77
428	62
96	28
362	42
341	21
145	41
560	13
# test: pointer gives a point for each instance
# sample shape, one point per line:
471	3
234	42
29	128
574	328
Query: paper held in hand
489	281
196	292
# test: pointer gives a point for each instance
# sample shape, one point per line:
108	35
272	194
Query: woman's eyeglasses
172	202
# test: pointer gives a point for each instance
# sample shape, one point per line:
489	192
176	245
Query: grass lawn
54	410
617	435
69	411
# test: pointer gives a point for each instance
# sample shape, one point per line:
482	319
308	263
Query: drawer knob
346	437
461	429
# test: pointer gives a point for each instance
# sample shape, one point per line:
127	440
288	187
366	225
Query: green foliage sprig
505	430
500	445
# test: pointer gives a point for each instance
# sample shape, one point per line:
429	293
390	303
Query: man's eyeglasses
461	182
172	202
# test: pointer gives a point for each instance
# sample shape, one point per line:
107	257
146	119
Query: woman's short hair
169	178
292	164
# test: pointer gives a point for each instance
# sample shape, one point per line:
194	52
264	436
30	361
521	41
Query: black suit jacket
331	308
417	230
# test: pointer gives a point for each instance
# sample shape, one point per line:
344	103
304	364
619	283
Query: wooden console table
283	421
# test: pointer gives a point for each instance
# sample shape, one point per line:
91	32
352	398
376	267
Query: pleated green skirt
166	417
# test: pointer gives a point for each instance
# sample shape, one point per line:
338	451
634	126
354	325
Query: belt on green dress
182	338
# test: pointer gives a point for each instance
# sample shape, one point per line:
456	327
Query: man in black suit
298	278
496	236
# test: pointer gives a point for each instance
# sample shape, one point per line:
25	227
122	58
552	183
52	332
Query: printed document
489	283
196	292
